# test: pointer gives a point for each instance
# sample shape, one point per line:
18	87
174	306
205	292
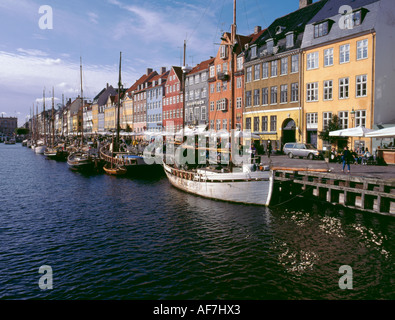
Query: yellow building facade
338	79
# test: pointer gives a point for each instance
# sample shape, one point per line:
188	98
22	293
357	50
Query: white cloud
93	17
32	52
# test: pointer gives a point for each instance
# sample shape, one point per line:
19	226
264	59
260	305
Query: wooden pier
360	193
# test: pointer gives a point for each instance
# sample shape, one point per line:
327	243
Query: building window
257	72
264	123
362	49
256	124
312	119
328	90
326	117
253	52
248	99
238	102
269	46
225	124
284	93
212	105
345	53
239	65
248	74
273	123
321	29
212	87
265	96
248	123
295	63
218	86
218	125
343	119
362	85
265	70
222	53
274	68
284	66
343	88
212	71
289	40
328	57
256	97
312	60
203	113
360	118
312	91
294	92
273	95
239	82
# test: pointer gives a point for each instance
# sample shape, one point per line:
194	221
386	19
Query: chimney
163	70
257	29
107	85
149	70
304	3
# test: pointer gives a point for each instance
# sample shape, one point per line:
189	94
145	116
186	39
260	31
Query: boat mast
82	106
119	102
232	79
53	119
45	131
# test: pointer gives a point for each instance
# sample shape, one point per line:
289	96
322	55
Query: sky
40	52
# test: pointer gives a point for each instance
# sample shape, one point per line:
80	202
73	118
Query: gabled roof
144	78
294	21
201	66
332	7
330	12
178	72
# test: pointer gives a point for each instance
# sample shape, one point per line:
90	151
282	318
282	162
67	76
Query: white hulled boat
246	186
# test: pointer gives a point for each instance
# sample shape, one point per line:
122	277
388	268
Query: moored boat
80	161
115	170
245	186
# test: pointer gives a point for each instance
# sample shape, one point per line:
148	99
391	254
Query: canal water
107	237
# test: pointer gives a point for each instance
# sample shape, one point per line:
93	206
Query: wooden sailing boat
81	160
234	184
111	167
54	152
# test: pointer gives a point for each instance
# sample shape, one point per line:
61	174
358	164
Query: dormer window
352	19
269	47
279	29
321	29
290	40
253	52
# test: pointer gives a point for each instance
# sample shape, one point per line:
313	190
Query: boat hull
40	149
80	162
248	188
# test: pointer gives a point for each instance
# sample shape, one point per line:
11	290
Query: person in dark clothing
269	148
346	156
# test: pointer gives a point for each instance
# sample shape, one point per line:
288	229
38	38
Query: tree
21	131
333	125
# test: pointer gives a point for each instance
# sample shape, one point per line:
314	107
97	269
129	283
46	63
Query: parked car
296	149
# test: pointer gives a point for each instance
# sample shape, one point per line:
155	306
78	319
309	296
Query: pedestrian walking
269	148
346	156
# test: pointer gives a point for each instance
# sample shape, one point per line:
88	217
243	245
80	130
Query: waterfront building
87	118
220	90
196	94
8	125
347	59
155	100
272	78
126	113
138	92
173	100
98	106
